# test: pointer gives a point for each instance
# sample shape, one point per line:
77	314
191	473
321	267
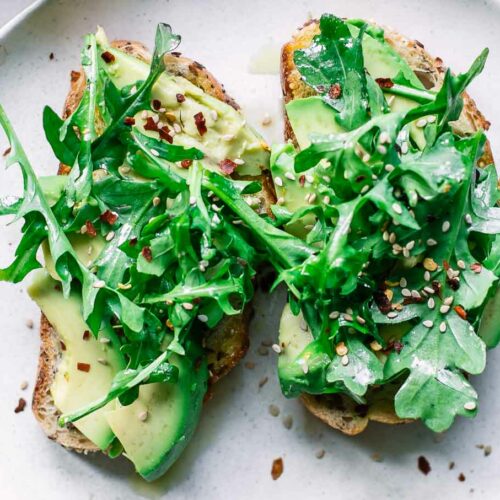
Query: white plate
237	440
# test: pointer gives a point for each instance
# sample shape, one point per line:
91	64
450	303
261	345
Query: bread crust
226	344
340	411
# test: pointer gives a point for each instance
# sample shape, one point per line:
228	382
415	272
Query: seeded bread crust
339	411
225	345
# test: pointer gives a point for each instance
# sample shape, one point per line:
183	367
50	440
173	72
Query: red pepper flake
186	163
335	91
129	120
199	121
146	253
21	405
165	134
109	217
63	345
227	166
156	104
83	367
476	267
446	265
7	151
180	98
277	468
424	465
302	179
461	477
384	83
108	57
90	229
150	124
86	335
461	312
132	242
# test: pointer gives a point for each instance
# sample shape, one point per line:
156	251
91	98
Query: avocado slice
228	136
157	426
87	365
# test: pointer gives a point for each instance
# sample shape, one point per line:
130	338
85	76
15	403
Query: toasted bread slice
225	345
339	411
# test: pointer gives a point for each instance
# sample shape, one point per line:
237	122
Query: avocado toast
147	280
388	176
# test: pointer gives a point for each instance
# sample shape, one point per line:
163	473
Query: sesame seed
276	348
214	115
404	148
267	120
392	238
429	290
461	264
144	115
228	137
24	385
470	405
375	346
341	349
446	226
239	161
431	119
110	236
406	253
305	367
99	284
410	245
385	236
360	320
397	208
468	219
326	200
344	360
278	181
290	176
177	128
397	247
309	178
216	207
444	309
104	340
431	242
364	189
366	157
427	276
312	198
431	303
334	315
428	323
405	292
442	326
347	317
187	305
392	314
382	149
154	152
192	200
421	123
123	286
415	294
384	137
374	177
389	167
429	264
274	411
448	300
143	416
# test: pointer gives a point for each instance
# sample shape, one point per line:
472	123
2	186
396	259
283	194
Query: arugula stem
420	96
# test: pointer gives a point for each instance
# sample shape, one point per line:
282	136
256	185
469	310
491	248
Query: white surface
232	451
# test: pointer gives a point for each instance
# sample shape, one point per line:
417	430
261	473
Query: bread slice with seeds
339	411
225	345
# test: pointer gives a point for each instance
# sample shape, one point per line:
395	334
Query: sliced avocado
227	136
489	328
302	362
155	428
87	364
311	115
87	249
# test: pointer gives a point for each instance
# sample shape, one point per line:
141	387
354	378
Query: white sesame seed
384	137
267	120
461	264
204	263
385	235
203	318
187	305
470	405
410	245
156	201
397	248
214	115
278	181
404	148
364	189
177	128
349	310
360	320
397	208
110	236
429	290
392	238
382	149
366	158
344	360
389	167
144	115
290	176
431	242
104	340
154	152
276	348
444	309
192	200
334	315
304	365
405	292
428	323
415	294
156	118
392	314
431	119
374	177
406	253
24	385
442	326
239	161
446	226
347	317
309	178
326	200
99	284
448	300
228	137
431	303
312	198
142	416
468	219
216	207
421	123
403	282
427	276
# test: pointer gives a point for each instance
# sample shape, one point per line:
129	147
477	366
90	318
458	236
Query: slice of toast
340	411
225	345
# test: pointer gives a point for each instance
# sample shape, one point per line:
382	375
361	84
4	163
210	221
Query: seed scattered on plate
287	422
274	410
29	323
277	468
320	454
263	382
24	385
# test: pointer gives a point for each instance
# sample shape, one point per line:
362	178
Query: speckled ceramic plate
237	440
